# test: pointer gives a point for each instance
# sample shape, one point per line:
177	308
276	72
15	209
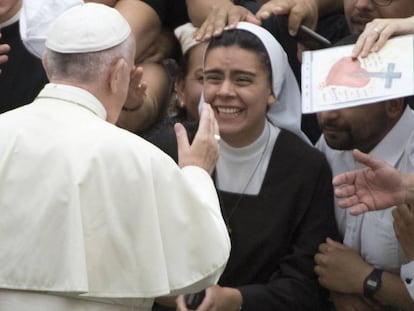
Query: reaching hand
340	268
377	32
298	11
204	150
136	91
375	187
222	16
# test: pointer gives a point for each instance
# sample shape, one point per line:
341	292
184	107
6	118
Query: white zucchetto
87	28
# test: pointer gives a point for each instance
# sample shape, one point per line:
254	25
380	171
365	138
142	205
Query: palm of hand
379	189
137	89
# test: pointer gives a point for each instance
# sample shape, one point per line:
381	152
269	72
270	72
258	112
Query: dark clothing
333	27
276	233
172	13
22	76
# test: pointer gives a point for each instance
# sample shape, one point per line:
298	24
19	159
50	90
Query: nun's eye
200	79
213	78
244	80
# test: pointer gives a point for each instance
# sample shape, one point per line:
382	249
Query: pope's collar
74	95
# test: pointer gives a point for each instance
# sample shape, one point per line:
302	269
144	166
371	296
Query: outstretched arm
144	21
377	186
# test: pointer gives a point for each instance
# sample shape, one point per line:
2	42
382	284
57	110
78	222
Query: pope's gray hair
85	67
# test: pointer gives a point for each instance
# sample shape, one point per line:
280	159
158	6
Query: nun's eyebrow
243	72
214	70
233	72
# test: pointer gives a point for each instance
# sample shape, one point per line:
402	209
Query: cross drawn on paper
388	76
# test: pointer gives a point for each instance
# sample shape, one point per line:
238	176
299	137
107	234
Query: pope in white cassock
92	216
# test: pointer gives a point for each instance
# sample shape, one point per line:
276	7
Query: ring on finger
217	137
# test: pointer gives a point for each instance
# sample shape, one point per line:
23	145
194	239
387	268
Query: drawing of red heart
347	72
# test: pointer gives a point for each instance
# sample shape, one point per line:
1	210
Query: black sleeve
172	13
163	136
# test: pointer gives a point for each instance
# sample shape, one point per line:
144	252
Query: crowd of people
151	149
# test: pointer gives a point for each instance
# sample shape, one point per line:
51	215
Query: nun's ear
271	99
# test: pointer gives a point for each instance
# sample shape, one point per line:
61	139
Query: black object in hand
192	301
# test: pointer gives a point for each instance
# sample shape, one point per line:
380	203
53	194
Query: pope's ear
117	74
44	62
45	67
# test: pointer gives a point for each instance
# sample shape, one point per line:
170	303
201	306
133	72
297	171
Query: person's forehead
368	111
196	53
232	51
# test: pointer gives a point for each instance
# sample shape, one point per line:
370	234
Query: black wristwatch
372	283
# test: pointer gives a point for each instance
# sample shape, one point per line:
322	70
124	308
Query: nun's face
237	86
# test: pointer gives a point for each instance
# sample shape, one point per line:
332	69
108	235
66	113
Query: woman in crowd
189	81
275	189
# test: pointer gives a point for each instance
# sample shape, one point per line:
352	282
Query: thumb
335	244
182	138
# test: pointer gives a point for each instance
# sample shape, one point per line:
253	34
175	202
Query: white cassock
90	211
